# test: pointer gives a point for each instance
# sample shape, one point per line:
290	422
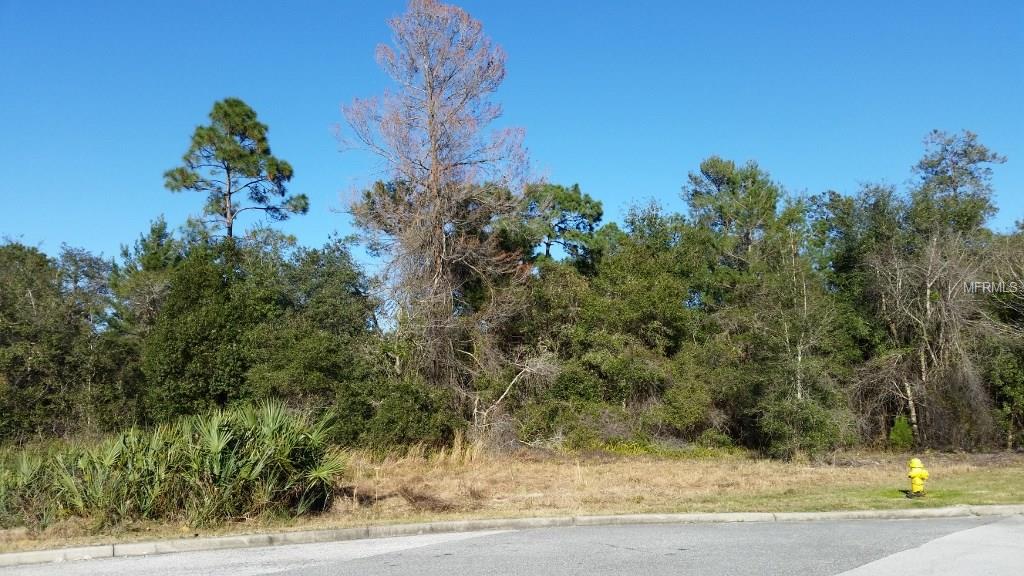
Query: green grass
1002	485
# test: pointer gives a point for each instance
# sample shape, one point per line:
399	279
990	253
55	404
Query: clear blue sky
97	99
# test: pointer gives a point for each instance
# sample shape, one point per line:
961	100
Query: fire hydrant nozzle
917	477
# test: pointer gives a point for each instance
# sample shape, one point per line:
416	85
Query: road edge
129	549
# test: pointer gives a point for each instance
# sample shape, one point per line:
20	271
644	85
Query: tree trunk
229	218
912	407
799	372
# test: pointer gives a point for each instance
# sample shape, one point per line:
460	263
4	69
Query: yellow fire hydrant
917	477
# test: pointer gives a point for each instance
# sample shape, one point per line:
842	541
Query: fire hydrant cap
915	463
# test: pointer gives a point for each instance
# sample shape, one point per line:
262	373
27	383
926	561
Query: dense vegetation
775	322
505	308
202	469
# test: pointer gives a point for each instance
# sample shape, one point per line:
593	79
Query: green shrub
576	425
205	469
24	498
712	438
629	374
788	427
901	436
575	382
409	412
684	406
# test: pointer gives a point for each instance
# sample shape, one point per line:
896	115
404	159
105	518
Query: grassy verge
467	482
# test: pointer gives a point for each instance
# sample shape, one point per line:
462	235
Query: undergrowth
222	465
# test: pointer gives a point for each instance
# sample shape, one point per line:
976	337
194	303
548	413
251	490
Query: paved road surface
967	546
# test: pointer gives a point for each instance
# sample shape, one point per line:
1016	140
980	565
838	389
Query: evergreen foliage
901	437
230	159
757	318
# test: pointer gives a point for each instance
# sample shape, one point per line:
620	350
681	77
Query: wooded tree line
506	308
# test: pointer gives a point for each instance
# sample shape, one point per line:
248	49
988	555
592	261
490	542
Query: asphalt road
967	546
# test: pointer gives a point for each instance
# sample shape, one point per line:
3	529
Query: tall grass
222	465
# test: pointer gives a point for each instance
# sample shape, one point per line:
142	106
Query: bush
901	436
24	498
789	427
194	358
408	413
575	382
203	469
712	438
578	425
685	405
629	374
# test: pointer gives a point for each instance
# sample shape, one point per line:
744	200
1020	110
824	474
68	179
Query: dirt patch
421	500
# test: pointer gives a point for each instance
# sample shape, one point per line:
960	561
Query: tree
34	342
193	356
54	340
767	303
231	158
616	329
452	192
920	253
736	203
142	279
255	319
954	190
801	338
319	345
564	217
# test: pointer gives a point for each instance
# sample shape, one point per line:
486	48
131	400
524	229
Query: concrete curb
342	534
59	555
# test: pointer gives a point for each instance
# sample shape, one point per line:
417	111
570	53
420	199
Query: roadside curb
342	534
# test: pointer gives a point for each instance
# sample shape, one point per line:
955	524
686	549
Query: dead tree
450	191
934	325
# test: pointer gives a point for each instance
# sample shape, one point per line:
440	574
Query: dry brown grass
466	481
474	483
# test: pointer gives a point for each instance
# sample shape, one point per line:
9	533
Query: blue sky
98	99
